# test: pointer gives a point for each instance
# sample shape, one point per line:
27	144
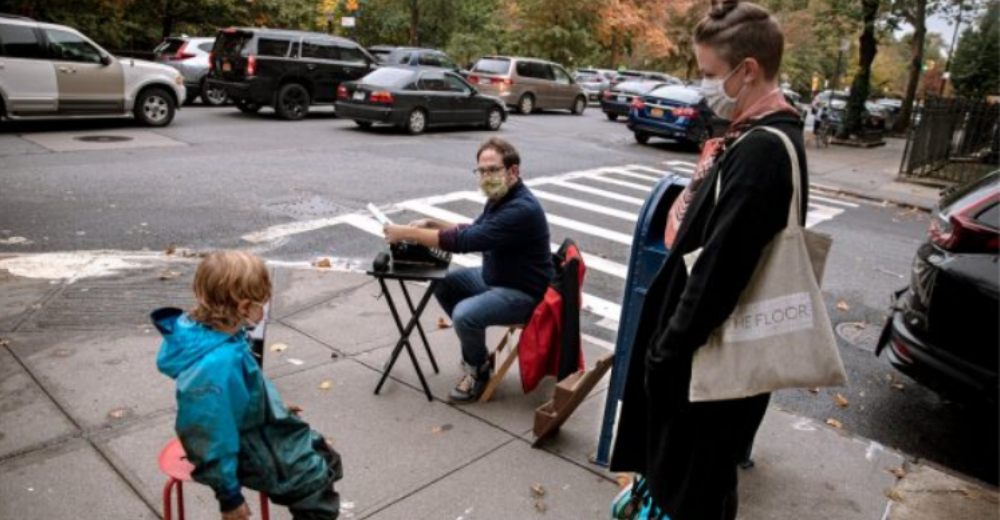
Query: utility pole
951	50
845	44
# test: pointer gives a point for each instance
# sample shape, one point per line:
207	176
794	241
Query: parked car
190	56
837	100
416	57
50	71
942	328
417	98
289	70
633	75
528	84
674	112
381	51
617	101
594	81
795	99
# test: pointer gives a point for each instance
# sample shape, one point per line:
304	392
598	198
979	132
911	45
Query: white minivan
51	71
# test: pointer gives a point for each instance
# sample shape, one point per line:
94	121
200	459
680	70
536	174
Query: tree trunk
916	65
862	81
414	23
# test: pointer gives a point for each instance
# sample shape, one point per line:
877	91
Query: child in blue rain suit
231	421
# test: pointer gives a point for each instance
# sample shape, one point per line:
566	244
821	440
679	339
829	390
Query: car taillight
962	234
503	82
638	103
180	55
251	65
474	80
211	62
607	94
383	97
684	112
342	92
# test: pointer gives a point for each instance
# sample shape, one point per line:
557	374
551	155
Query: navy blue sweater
513	236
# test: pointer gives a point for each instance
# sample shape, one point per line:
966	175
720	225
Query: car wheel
247	107
363	124
579	105
416	123
213	96
641	137
494	118
292	103
526	105
611	117
154	107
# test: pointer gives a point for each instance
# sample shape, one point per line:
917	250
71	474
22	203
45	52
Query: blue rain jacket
230	419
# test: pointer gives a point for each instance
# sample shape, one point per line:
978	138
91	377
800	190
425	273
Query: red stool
174	464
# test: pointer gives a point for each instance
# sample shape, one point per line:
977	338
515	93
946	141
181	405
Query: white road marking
623	184
599	192
596	208
606	345
634	175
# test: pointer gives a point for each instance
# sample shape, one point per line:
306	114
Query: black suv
289	70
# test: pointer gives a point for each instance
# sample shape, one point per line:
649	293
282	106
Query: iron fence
952	139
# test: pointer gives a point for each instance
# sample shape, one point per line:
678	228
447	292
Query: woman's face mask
714	91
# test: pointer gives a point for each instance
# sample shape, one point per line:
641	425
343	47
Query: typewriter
406	254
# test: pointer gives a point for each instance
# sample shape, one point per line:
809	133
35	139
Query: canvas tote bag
779	335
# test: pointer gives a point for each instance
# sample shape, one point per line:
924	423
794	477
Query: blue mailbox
648	254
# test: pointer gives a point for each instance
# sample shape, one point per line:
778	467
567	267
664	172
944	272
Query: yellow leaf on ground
841	401
835	423
324	263
443	323
279	347
842	306
898	472
538	490
325	385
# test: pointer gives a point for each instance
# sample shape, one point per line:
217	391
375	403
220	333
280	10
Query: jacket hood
185	341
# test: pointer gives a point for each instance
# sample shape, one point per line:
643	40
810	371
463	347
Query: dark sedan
415	99
942	330
617	101
674	112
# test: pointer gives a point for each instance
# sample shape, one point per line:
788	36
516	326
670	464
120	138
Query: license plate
623	99
656	112
226	66
359	96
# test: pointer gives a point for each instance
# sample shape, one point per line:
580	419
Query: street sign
347	21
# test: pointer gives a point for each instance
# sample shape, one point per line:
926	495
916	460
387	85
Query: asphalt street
296	191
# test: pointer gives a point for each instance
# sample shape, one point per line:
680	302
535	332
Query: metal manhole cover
103	138
308	208
859	334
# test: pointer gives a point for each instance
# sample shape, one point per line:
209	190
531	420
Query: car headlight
179	80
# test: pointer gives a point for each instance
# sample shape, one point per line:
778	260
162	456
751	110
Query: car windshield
677	93
231	42
492	66
390	77
169	47
964	195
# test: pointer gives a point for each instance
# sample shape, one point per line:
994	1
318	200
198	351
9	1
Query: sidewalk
84	414
868	173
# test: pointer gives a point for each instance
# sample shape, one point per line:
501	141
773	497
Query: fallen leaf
329	441
118	413
4	342
441	429
898	472
443	323
841	401
538	490
842	306
624	480
279	347
325	385
324	263
814	390
894	495
835	423
169	275
541	507
899	386
171	249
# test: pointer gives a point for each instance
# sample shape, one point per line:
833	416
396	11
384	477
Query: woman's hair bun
720	8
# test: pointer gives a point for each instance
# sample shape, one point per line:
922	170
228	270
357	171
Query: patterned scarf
714	148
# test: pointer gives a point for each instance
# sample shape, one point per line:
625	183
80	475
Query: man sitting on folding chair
513	236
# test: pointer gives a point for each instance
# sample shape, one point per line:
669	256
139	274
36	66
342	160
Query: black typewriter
409	253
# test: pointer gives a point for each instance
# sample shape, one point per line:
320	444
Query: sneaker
470	387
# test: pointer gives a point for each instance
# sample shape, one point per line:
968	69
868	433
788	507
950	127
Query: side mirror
106	59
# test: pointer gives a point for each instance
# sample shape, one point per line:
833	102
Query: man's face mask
494	186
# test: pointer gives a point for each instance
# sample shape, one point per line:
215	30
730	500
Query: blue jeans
472	306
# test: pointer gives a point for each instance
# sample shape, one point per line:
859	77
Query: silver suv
190	56
52	71
528	84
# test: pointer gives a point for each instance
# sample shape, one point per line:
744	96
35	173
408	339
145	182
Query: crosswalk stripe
616	182
292	228
606	345
661	173
599	192
596	208
634	175
813	196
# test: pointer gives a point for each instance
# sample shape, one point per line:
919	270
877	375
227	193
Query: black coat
689	451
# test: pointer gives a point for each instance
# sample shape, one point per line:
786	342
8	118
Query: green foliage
976	69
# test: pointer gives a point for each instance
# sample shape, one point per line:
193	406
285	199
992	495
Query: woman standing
686	454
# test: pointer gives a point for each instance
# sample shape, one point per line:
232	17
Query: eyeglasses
488	170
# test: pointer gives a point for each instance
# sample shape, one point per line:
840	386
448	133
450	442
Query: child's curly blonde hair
223	279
